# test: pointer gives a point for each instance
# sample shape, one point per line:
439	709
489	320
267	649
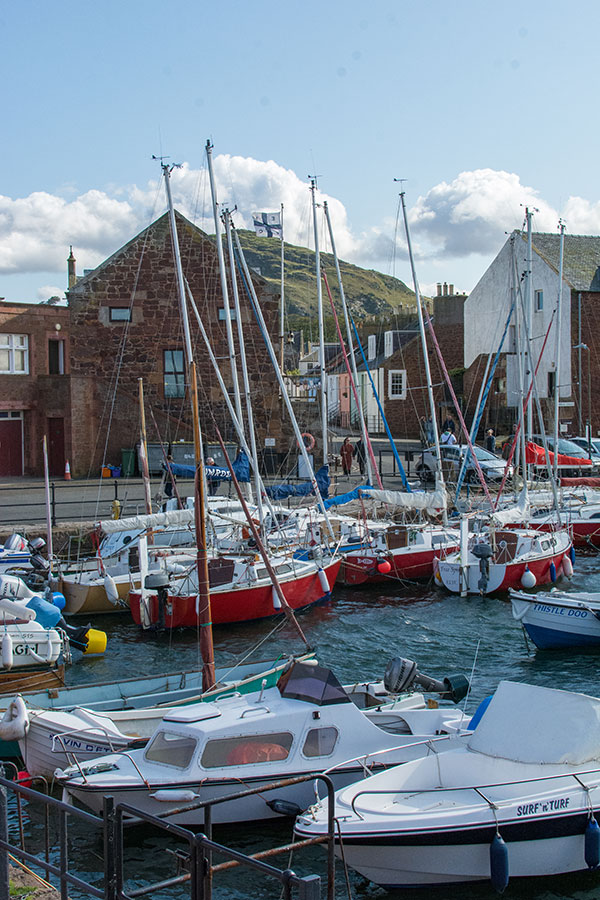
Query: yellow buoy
96	641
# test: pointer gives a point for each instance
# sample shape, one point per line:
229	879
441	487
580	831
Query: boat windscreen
313	684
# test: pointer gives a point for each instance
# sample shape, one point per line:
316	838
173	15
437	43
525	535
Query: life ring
15	721
310	443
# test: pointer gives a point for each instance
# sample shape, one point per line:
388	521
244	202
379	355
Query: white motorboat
518	799
306	724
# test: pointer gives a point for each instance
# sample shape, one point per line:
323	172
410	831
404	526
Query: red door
56	446
11	447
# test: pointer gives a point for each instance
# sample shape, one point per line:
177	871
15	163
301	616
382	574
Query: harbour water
355	634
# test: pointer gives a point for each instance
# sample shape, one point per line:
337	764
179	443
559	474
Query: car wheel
472	477
424	473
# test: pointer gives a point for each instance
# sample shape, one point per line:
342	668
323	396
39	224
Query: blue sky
481	107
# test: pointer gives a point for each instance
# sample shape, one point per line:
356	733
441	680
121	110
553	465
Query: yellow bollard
116	509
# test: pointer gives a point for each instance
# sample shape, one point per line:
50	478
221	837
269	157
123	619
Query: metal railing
197	862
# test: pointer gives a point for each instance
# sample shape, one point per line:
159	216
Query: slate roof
581	265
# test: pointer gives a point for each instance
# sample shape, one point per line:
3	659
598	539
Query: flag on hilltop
268	225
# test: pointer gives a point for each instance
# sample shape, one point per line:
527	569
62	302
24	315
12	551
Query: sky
481	108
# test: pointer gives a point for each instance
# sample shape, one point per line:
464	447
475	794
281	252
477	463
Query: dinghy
519	799
555	620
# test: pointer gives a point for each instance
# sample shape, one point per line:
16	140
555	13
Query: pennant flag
268	225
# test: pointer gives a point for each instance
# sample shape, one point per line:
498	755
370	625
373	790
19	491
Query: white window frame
388	343
394	394
13	343
372	347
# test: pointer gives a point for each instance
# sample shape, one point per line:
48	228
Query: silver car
493	467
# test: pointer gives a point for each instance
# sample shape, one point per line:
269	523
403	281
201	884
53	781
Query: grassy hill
369	293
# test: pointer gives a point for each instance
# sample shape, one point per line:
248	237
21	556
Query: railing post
110	874
4	838
309	888
198	869
64	853
53	503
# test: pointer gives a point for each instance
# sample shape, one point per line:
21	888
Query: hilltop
369	293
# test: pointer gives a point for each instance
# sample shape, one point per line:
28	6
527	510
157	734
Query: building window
372	347
14	354
551	383
222	314
119	314
388	343
56	357
397	384
539	301
174	369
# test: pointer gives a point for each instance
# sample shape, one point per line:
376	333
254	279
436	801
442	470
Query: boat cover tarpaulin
536	456
517	513
341	499
532	724
431	501
155	520
240	465
280	491
587	481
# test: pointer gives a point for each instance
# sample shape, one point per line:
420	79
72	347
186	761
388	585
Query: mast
529	318
436	433
223	274
557	355
204	610
282	301
363	425
313	187
144	449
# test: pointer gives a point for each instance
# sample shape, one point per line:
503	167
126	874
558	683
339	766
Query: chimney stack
445	289
439	288
71	271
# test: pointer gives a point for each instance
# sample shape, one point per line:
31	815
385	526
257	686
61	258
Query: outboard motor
37	544
401	674
483	552
159	582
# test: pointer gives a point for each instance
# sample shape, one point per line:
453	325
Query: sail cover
431	501
280	491
536	456
155	520
240	465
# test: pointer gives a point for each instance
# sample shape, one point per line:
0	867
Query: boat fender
499	863
552	572
567	566
111	589
384	566
592	843
15	721
324	581
58	600
174	796
7	651
528	579
309	441
572	554
276	600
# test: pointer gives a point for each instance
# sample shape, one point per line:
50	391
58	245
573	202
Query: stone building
34	388
126	326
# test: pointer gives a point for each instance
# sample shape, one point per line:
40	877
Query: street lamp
581	347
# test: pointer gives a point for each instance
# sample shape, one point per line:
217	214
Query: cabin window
397	384
539	301
320	742
174	373
119	314
171	749
14	354
56	357
245	751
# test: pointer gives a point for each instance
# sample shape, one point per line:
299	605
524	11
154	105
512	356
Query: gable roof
581	264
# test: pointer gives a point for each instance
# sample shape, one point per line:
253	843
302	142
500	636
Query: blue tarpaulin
280	491
241	467
345	498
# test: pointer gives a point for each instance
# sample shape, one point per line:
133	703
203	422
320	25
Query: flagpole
282	307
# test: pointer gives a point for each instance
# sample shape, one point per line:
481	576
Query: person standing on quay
359	451
346	453
490	441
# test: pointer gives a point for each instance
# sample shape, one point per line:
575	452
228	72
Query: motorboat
496	559
518	799
240	589
555	620
307	723
57	735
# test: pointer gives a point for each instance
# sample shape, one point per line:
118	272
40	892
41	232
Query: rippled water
355	634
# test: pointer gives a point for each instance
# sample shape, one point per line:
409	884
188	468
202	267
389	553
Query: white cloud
454	222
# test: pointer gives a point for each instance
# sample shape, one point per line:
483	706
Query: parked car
492	466
595	445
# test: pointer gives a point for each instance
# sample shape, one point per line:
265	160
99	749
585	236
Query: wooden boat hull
89	599
241	604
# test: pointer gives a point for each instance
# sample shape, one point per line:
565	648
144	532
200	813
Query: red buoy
384	567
